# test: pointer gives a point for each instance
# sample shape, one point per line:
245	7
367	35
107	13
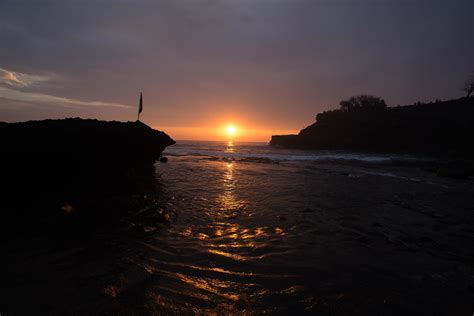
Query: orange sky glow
213	120
222	127
220	133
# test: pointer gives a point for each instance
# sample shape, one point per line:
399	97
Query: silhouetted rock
436	128
89	140
69	178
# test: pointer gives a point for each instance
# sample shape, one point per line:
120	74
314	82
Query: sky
265	66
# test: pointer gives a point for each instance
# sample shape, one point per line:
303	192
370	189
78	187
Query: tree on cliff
469	86
361	102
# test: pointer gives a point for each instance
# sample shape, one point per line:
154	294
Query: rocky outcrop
290	141
435	128
69	178
90	141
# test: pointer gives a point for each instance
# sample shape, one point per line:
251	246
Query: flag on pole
140	106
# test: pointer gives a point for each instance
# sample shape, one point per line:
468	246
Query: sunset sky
264	66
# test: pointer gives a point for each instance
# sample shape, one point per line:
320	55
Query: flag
140	106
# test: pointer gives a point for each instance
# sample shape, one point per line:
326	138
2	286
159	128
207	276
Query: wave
269	155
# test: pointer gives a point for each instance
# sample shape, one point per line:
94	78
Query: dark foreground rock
74	194
90	141
64	180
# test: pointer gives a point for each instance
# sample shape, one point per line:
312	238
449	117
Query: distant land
441	128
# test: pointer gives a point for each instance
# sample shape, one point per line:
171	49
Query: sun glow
218	131
230	130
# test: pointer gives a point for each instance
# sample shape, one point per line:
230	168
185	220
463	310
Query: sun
230	130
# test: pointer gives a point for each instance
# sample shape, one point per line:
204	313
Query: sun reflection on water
230	147
224	238
229	204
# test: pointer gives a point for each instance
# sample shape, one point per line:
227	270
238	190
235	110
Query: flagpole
140	107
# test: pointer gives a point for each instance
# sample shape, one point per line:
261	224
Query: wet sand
254	238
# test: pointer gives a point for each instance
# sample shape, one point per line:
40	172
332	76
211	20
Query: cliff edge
437	128
87	140
65	180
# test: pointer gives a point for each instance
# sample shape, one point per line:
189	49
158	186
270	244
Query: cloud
17	79
10	78
17	95
14	82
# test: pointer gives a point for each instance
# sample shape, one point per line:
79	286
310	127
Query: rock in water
89	170
90	141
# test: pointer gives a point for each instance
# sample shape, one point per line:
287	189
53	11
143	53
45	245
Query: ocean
229	228
268	230
247	151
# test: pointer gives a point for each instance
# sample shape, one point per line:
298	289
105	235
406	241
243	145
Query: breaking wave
263	153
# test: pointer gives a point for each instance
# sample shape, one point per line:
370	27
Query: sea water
270	230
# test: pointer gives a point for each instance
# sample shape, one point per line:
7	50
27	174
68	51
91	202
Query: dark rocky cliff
435	128
87	140
66	179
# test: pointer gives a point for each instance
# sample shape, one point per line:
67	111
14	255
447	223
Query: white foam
220	150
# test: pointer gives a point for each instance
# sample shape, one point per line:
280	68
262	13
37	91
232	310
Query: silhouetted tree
362	101
469	86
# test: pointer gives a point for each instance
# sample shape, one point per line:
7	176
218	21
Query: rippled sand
254	237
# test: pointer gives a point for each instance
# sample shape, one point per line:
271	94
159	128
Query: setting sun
230	130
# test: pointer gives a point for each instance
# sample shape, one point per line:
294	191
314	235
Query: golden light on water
230	147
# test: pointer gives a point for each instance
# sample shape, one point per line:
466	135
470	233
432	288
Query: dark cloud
276	63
